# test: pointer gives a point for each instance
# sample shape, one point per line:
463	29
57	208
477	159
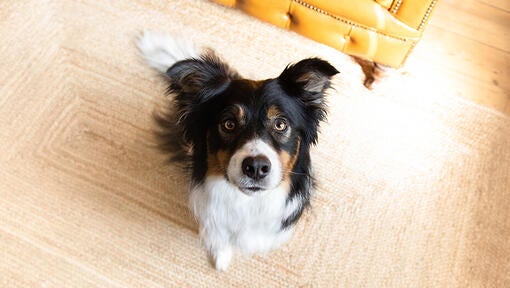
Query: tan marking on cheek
289	161
217	163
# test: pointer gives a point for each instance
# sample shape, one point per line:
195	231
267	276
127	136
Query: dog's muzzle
255	167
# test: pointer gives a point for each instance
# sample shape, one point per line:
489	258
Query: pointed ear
193	82
311	76
308	81
200	76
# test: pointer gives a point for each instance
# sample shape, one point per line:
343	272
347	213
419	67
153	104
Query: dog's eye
229	125
280	124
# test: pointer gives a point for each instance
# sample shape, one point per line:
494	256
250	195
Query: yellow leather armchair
382	31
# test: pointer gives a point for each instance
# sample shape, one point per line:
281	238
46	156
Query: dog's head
256	134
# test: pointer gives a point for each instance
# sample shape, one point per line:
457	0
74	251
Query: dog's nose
256	167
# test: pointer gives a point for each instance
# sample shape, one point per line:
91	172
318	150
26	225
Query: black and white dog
248	143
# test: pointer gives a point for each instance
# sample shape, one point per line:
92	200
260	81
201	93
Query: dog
247	143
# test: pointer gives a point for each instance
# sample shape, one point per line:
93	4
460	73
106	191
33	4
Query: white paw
222	258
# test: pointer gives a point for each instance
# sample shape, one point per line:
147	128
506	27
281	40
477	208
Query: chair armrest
414	13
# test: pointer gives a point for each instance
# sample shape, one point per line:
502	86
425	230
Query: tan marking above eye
273	112
239	112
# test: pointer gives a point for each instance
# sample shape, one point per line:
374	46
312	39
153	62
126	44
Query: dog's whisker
296	173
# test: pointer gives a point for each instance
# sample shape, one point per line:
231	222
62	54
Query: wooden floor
470	41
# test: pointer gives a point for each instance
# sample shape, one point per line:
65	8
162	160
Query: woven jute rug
414	183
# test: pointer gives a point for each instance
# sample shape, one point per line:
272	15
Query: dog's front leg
217	242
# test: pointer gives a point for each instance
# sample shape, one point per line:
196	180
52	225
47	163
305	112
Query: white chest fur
228	217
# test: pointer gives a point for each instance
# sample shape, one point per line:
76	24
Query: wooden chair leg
372	70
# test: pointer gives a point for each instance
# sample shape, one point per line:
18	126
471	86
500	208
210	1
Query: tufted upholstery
383	31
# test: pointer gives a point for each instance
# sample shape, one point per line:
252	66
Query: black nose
256	167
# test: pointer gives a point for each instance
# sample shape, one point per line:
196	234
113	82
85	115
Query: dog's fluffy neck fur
229	218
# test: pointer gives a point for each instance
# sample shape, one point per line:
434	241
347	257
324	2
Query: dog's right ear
193	82
200	78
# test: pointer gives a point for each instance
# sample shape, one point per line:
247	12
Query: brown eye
229	125
280	124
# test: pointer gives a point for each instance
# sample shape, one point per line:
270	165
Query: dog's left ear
311	76
308	80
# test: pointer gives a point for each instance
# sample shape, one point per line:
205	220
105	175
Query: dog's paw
222	258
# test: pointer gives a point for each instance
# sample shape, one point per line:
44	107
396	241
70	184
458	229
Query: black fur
205	89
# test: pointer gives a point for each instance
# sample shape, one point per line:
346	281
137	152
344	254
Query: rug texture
414	183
